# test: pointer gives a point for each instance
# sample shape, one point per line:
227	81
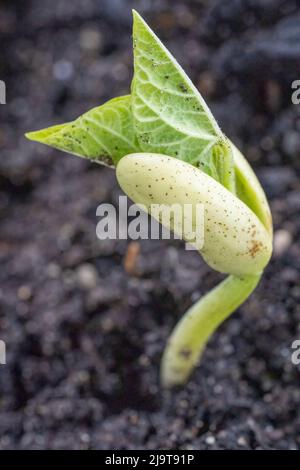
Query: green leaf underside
170	116
104	134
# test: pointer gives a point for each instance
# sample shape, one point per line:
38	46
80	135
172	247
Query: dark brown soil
84	335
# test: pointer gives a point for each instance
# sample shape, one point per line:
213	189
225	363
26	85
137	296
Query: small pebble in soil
24	293
282	242
87	276
131	258
53	270
63	70
91	39
242	441
210	440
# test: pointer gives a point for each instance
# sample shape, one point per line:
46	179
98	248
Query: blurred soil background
85	321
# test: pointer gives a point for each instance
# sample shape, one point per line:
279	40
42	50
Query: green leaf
249	190
170	116
221	165
104	134
165	114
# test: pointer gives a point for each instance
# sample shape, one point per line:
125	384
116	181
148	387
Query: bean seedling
164	136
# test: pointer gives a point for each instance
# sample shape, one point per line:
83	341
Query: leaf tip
138	20
33	135
135	14
43	135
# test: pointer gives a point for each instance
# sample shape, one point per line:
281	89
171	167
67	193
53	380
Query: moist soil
85	322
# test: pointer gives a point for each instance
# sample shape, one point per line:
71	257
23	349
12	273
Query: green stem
188	339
